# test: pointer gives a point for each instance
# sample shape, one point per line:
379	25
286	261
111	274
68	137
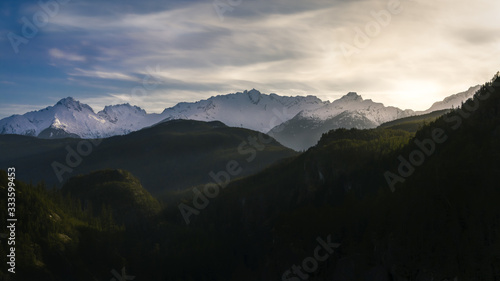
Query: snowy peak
69	117
72	104
248	109
19	125
126	118
350	111
253	95
113	112
351	96
354	104
68	102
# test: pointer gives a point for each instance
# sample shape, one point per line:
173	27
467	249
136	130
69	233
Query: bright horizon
402	53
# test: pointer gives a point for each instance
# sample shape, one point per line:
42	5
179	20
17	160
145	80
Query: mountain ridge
248	109
350	111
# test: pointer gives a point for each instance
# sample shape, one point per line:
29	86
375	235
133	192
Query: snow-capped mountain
297	122
453	101
250	109
350	111
352	102
69	117
127	118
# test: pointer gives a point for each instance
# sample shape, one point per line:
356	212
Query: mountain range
297	122
351	111
413	199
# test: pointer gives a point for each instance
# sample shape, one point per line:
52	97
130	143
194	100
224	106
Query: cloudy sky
405	53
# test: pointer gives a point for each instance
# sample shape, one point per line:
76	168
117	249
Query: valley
257	210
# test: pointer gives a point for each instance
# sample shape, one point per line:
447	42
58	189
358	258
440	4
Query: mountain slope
117	190
351	111
57	238
441	221
169	156
414	123
453	101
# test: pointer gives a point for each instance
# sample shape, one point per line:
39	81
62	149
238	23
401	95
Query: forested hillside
166	158
392	205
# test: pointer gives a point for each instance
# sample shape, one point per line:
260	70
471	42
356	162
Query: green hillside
56	238
414	123
116	191
168	157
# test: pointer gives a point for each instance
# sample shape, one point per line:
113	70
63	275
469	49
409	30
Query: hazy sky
407	53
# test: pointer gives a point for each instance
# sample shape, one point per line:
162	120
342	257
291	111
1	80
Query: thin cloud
58	54
102	74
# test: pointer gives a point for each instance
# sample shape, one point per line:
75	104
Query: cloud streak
58	54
